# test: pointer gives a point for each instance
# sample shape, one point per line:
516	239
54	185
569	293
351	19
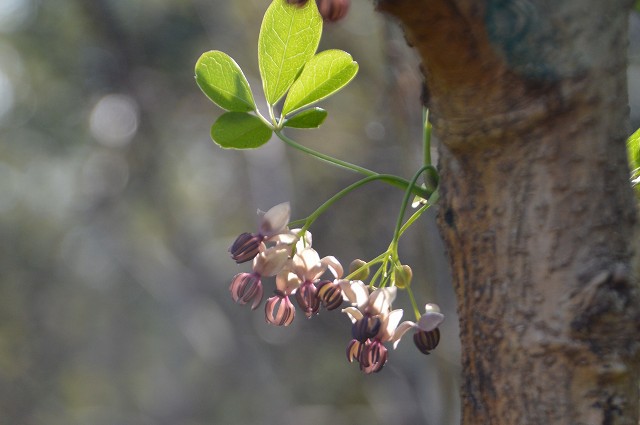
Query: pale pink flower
302	274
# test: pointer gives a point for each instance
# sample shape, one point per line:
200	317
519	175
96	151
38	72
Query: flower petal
333	265
355	291
430	320
270	261
287	282
400	331
353	313
275	220
307	265
380	300
287	237
389	324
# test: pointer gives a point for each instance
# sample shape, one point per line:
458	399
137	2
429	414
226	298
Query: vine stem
413	218
414	304
322	208
426	137
403	208
387	178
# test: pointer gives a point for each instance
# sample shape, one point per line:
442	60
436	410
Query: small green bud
359	264
402	275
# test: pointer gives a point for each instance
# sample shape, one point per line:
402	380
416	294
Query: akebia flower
302	275
426	341
427	334
272	226
330	294
373	324
247	287
279	310
245	247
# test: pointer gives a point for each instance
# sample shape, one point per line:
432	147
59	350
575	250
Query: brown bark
529	100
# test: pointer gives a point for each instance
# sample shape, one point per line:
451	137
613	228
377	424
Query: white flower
357	293
376	305
306	266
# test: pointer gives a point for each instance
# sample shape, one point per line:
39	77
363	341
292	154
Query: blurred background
117	210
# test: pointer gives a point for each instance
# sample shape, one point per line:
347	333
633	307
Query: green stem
403	207
264	120
413	218
381	270
426	137
416	310
431	178
274	122
388	178
322	208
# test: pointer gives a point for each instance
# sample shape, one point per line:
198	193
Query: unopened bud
402	275
361	268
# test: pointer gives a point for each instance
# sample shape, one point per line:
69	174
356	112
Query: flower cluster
374	323
300	273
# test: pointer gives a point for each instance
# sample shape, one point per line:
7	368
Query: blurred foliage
116	212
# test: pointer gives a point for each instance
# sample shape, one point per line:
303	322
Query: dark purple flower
245	247
373	356
370	354
426	341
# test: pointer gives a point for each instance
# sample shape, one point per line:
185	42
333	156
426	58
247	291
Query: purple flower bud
307	299
245	288
245	247
333	10
279	310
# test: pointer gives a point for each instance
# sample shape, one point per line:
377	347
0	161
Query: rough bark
529	100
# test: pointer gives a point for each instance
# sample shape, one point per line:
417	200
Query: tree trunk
529	101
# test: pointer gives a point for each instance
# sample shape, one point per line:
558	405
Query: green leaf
289	37
222	80
311	118
325	74
633	156
633	151
240	130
